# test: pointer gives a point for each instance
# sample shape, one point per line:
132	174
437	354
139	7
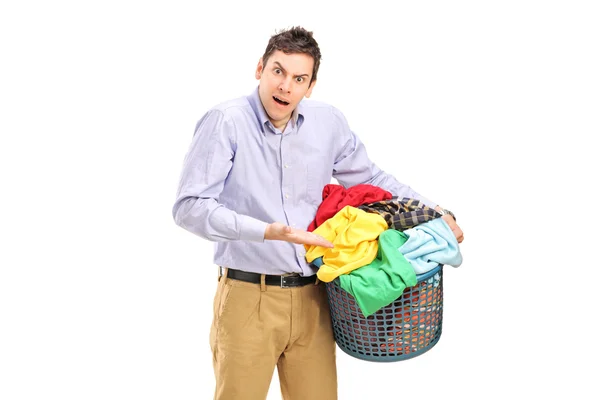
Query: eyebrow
281	67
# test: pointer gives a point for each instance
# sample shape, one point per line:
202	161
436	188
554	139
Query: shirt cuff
428	202
253	230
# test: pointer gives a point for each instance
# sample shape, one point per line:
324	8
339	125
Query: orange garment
354	234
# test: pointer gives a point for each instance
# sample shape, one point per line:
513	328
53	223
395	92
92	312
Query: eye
300	79
277	71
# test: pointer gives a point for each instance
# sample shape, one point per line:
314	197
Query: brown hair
295	40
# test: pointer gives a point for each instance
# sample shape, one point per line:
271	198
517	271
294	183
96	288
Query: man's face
284	81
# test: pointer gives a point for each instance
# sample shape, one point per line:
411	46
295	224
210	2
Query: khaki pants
257	327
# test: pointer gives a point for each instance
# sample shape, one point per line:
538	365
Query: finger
321	241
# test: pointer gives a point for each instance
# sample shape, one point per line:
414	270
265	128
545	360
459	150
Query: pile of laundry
381	243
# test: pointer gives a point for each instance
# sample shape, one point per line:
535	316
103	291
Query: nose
285	85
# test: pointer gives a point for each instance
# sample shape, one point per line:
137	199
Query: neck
281	124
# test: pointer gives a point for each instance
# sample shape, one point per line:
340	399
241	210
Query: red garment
336	197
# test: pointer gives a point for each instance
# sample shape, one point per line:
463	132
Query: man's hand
279	231
458	233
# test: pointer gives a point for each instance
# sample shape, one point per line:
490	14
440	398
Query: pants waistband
284	281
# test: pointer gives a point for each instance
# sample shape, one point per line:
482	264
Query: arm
205	170
353	166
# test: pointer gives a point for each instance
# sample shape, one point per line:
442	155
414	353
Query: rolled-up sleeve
205	169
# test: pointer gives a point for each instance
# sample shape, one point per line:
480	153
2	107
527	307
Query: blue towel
430	244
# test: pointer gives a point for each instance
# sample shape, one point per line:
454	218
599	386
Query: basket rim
429	274
420	277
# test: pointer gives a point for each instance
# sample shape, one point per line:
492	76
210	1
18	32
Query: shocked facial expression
284	81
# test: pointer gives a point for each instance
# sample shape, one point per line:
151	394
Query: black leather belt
284	281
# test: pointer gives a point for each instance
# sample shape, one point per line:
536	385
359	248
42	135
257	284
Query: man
252	182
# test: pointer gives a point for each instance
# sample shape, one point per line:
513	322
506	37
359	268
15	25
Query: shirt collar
263	119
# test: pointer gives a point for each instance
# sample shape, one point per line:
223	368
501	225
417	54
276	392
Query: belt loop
222	272
263	285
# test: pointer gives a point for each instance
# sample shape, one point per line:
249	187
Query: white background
488	108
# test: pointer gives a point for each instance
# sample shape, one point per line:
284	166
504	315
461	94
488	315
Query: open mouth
279	101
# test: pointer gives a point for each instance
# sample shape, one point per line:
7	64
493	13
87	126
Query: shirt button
286	166
287	196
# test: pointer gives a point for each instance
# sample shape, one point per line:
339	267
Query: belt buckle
290	280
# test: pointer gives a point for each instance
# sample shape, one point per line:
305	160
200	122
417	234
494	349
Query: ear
259	69
310	89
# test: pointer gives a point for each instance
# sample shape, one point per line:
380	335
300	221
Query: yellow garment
354	234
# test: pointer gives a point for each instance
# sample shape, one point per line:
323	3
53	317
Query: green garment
379	283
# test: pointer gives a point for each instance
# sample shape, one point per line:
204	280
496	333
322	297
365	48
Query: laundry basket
404	329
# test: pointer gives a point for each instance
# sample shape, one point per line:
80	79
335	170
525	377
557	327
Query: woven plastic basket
408	327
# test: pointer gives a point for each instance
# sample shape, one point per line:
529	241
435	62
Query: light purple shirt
241	173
